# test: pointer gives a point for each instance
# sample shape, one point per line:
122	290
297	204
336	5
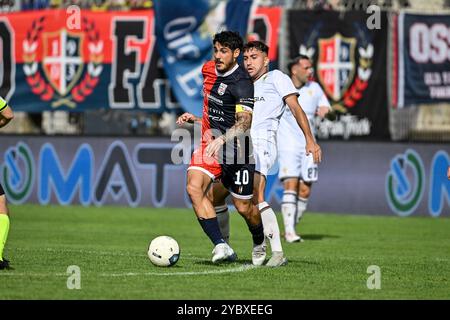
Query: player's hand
322	111
314	148
448	173
186	117
214	146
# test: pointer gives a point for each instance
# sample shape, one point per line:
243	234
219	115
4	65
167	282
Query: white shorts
265	153
295	164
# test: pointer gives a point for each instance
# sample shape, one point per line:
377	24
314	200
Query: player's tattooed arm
243	123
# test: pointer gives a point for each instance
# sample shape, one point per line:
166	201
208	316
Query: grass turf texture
109	245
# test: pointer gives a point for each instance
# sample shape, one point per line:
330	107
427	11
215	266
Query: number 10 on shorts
245	178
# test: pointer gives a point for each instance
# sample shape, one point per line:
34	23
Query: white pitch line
132	274
32	274
190	273
128	274
103	253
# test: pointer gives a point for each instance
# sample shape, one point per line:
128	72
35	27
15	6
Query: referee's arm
6	113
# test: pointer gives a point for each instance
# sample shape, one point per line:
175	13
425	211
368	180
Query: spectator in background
100	5
118	5
313	4
319	5
140	4
55	4
34	4
7	5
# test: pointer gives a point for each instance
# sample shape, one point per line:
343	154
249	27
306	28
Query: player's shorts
2	192
265	153
238	179
294	163
207	165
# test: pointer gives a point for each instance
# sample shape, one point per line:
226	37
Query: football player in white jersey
297	169
273	91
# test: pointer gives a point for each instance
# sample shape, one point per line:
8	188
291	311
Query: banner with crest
350	64
63	60
56	60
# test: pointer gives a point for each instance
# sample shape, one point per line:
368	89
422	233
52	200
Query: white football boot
277	260
222	252
292	237
259	254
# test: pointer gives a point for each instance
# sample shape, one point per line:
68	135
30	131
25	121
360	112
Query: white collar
262	77
228	72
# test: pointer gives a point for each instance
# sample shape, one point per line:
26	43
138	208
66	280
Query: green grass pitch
109	246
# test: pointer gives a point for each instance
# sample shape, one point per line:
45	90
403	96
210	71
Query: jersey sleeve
208	69
323	100
284	85
244	95
3	104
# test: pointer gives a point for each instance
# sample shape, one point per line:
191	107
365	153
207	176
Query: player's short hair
229	39
296	60
258	45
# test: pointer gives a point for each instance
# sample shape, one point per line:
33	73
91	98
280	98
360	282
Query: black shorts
238	179
2	192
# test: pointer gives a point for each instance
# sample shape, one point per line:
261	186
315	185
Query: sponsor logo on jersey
214	99
216	111
216	118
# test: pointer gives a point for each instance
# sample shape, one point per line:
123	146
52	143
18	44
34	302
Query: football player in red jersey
227	116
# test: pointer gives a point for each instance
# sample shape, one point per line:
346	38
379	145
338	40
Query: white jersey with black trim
311	97
270	91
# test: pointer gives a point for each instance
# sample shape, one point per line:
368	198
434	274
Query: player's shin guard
223	217
301	207
288	208
270	223
4	229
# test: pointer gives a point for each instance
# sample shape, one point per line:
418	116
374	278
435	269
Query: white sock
223	217
301	207
270	223
288	208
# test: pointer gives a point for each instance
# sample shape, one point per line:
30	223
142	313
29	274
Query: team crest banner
111	60
350	65
98	60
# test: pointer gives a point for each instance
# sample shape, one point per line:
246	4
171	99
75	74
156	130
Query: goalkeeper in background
6	115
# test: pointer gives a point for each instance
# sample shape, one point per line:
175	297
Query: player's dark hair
296	60
258	45
229	39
